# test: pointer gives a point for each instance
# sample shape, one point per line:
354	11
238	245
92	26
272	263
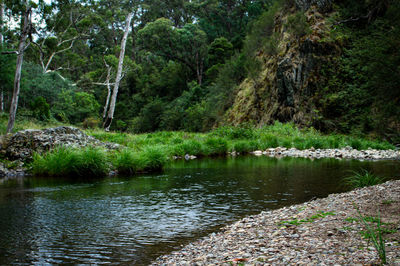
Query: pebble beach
327	231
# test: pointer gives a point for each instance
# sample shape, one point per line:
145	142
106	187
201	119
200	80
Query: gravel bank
324	232
345	153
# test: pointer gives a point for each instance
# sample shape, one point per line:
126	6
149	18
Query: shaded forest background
185	61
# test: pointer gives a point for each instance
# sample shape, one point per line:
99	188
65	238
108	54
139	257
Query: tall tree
110	115
25	32
1	48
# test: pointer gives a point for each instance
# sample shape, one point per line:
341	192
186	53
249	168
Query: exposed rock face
285	88
23	144
323	5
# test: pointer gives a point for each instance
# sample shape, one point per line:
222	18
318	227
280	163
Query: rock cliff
287	83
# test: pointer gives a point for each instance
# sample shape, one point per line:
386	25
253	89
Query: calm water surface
134	220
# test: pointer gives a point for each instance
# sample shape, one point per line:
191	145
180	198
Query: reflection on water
133	220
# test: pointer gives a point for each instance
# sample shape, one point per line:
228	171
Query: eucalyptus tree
228	18
186	45
64	24
24	11
111	109
1	48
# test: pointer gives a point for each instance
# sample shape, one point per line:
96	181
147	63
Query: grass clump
128	162
363	178
192	147
62	161
231	132
318	215
242	146
154	157
216	146
376	236
151	159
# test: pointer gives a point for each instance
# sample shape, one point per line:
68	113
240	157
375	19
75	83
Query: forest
143	66
200	132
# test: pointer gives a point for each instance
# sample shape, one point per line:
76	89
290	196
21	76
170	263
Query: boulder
23	144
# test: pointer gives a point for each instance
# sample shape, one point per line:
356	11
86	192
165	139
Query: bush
194	117
91	122
149	118
41	109
298	25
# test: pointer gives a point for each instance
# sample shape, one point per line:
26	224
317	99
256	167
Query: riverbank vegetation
151	152
187	63
362	178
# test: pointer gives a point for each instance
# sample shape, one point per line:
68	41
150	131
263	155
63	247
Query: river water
132	220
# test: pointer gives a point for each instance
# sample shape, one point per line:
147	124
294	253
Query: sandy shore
325	231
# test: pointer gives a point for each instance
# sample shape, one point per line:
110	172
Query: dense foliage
361	93
186	59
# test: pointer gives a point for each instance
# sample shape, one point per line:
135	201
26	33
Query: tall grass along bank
151	152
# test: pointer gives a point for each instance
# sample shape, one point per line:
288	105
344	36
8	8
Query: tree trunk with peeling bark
1	43
2	101
110	115
108	90
1	25
20	58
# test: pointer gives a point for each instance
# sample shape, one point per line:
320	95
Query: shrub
298	25
121	125
41	109
91	122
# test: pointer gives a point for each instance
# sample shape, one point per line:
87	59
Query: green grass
128	161
88	162
151	151
22	123
245	139
375	235
318	215
363	178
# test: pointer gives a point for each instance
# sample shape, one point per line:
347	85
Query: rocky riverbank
345	153
325	231
20	147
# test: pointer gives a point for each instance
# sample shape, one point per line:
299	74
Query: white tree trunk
1	44
108	90
1	101
20	58
110	115
2	24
